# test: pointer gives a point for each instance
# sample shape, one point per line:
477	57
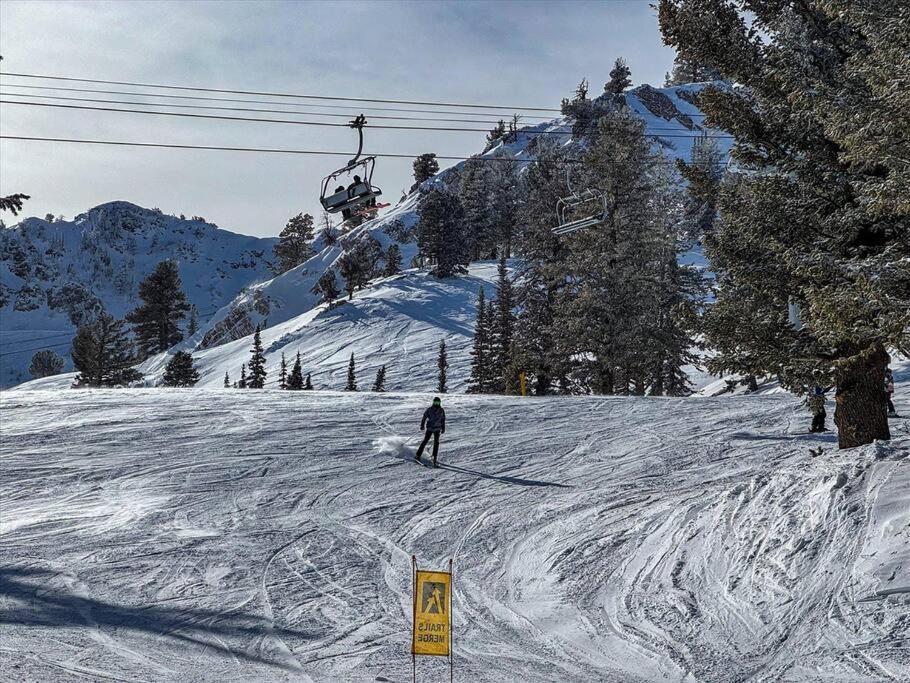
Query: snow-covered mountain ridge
54	274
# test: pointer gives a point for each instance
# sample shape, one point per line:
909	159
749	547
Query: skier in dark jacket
433	424
816	403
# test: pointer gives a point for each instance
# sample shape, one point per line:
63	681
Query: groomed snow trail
188	535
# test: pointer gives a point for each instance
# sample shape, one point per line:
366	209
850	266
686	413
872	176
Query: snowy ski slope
189	535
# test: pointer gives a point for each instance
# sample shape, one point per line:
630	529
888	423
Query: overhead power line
277	94
262	150
349	108
34	348
256	109
315	123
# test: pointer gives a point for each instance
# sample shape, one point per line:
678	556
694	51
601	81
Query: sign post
432	626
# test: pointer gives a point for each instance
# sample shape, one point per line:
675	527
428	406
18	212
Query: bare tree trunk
860	413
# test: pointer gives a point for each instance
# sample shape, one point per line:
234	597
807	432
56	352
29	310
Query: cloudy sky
508	53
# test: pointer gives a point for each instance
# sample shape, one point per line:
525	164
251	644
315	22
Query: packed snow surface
188	535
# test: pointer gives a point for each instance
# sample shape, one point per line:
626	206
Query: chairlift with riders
579	210
360	193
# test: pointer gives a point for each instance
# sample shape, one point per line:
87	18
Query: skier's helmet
437	401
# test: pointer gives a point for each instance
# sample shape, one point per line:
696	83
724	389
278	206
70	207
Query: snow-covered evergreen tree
502	332
704	173
103	354
495	135
477	383
474	193
308	384
620	77
352	375
295	379
425	167
192	325
46	363
442	365
392	260
257	363
326	287
379	384
283	373
241	384
440	234
688	71
179	371
818	217
156	322
227	380
293	247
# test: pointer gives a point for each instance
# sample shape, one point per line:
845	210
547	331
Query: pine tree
358	264
257	363
192	325
46	363
425	167
543	254
818	218
227	380
308	385
352	379
179	371
156	323
326	287
103	354
503	328
392	261
293	246
479	357
442	364
620	77
474	193
295	379
687	71
379	384
440	236
283	373
704	174
495	135
242	383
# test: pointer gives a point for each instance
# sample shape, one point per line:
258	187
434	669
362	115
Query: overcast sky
510	53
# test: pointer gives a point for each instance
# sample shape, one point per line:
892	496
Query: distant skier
433	424
816	403
889	392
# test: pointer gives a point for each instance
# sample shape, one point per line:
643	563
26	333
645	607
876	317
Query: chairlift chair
590	204
355	195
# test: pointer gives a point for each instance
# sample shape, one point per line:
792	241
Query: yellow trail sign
432	614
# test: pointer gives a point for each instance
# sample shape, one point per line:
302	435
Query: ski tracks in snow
251	535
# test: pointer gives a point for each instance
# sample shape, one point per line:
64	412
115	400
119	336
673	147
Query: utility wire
275	94
500	115
31	339
255	109
316	123
265	150
34	348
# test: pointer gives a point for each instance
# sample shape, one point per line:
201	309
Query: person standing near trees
889	392
432	424
816	403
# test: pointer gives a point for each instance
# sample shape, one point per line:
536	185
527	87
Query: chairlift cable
274	94
251	109
350	108
263	150
317	123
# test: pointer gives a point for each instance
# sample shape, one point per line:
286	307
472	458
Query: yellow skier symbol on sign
433	598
